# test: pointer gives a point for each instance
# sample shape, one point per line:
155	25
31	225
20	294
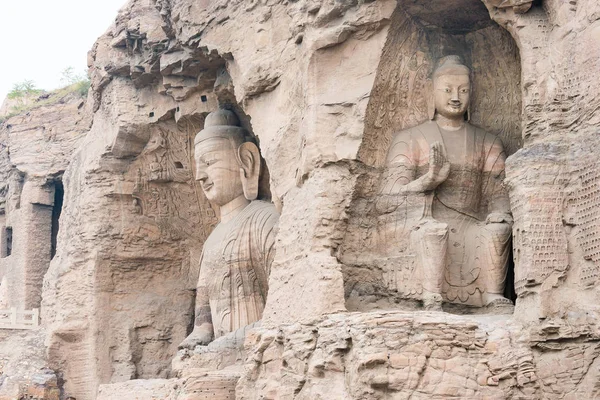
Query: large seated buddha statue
453	172
236	257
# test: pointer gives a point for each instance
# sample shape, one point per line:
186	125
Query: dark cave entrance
59	193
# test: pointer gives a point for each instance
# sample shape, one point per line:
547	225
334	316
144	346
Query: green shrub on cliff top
25	92
79	83
23	89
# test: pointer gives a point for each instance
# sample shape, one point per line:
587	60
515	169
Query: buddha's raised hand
439	166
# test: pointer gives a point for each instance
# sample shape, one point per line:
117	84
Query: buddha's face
451	95
218	170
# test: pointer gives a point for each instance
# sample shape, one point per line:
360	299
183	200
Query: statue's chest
226	260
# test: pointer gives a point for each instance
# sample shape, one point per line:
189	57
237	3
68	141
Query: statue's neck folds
449	124
233	208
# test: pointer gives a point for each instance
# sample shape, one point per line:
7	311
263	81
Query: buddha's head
451	88
228	161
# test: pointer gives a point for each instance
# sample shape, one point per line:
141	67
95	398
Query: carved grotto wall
379	267
552	180
323	85
556	305
118	297
35	150
119	294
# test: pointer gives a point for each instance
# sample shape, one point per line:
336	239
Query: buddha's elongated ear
430	99
248	157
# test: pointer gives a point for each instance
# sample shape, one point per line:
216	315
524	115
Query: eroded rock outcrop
155	75
36	148
24	372
323	87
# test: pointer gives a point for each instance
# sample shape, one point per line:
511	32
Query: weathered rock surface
153	82
422	355
36	148
197	384
24	372
323	85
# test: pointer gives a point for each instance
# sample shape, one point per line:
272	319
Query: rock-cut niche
148	280
381	270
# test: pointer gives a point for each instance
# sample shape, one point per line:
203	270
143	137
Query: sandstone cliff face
323	86
553	178
36	148
118	296
24	372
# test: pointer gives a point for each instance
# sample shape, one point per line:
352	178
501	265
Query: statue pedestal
207	372
226	352
391	354
197	385
139	389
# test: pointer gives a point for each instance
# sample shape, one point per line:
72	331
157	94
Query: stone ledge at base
139	389
419	355
394	354
197	385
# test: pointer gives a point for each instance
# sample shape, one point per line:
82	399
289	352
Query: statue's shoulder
264	210
263	218
415	137
416	133
489	140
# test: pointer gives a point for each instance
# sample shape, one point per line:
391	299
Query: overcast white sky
40	38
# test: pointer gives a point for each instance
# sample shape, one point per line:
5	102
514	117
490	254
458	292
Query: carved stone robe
477	253
235	266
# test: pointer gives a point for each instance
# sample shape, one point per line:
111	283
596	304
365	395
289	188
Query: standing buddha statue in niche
460	239
236	257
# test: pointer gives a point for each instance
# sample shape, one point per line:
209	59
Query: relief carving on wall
164	186
378	252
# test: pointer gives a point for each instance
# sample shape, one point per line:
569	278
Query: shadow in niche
509	289
453	16
59	193
377	268
537	3
8	241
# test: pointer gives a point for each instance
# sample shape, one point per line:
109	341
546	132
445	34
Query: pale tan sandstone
143	389
447	177
552	181
378	355
36	149
23	367
323	86
108	331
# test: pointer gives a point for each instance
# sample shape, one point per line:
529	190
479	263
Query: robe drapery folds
476	253
234	269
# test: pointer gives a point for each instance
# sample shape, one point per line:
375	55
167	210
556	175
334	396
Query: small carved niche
377	268
7	244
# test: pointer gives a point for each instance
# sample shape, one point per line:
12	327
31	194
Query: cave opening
59	193
8	241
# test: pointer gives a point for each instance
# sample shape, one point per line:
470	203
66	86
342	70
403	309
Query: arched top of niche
456	16
421	33
378	269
